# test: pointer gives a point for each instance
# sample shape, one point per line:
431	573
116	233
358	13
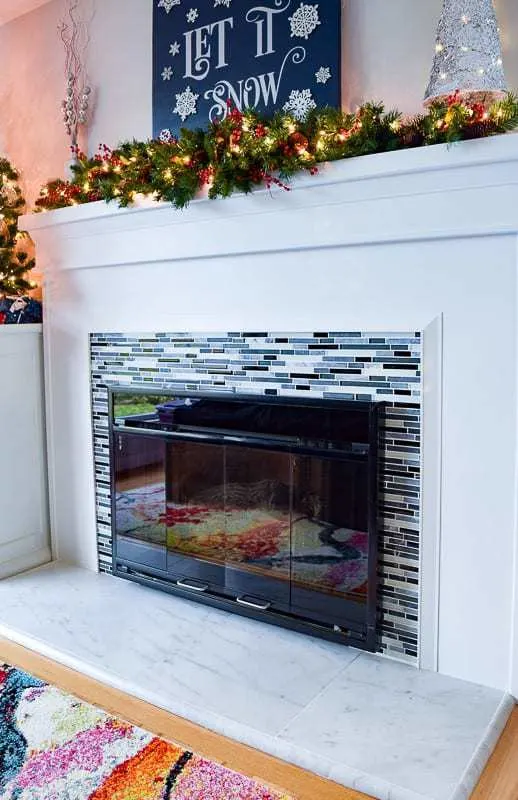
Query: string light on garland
246	150
468	56
15	262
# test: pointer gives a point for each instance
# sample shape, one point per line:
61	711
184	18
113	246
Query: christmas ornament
75	106
165	136
468	55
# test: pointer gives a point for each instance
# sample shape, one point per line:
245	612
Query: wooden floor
498	782
500	778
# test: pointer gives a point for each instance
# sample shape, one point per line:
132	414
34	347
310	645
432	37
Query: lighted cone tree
15	262
468	56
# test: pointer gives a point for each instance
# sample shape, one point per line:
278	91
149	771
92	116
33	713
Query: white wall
388	52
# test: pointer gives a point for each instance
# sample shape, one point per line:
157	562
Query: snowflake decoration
323	75
304	21
166	137
222	3
167	73
174	49
300	104
192	15
168	4
186	104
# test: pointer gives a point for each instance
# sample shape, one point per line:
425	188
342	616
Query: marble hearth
381	727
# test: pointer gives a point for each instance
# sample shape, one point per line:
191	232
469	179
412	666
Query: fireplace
264	506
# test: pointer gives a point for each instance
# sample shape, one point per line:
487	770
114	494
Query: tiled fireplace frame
340	365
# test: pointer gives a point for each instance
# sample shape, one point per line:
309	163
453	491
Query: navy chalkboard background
265	55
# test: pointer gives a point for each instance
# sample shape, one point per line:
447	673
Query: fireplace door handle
251	602
195	586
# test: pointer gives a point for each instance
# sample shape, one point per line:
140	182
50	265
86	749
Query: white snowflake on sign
222	3
168	4
174	49
323	75
167	73
299	104
186	104
304	21
192	15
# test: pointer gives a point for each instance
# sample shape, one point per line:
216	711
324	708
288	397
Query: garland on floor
15	262
246	150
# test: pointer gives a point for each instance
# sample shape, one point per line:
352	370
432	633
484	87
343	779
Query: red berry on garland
479	112
454	99
298	142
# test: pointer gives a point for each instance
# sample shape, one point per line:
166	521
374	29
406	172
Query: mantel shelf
439	192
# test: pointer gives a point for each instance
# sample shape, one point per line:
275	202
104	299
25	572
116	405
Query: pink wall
31	134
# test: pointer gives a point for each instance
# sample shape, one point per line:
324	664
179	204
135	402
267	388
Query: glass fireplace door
330	538
228	520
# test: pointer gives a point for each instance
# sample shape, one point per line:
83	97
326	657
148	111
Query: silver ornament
468	55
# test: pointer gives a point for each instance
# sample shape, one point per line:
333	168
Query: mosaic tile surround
348	365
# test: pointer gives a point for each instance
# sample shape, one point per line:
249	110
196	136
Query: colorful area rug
55	747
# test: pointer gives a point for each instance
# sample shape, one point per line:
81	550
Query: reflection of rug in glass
312	553
309	552
55	747
140	513
327	558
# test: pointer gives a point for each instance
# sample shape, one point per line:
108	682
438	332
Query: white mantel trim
468	189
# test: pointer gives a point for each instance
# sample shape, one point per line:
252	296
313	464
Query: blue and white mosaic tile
352	365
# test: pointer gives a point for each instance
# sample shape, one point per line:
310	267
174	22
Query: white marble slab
366	722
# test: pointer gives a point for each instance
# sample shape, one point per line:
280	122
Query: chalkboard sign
269	55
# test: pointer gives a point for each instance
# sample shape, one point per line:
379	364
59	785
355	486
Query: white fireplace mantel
422	240
439	192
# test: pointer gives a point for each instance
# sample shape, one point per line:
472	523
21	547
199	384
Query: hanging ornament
468	56
75	107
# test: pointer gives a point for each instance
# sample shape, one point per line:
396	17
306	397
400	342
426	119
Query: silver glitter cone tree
468	55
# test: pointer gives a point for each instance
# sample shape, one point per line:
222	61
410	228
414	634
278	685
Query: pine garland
15	262
246	150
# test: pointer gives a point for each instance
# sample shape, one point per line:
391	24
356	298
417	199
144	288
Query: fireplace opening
263	506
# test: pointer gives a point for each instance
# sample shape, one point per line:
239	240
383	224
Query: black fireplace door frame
355	624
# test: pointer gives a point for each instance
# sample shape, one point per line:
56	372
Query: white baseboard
37	558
